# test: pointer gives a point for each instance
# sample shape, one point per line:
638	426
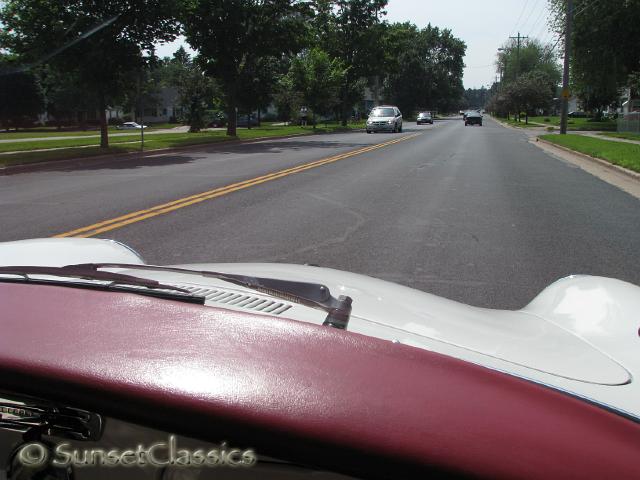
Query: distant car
385	118
577	115
424	117
131	126
473	118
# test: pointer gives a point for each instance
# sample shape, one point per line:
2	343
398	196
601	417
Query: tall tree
318	78
529	77
531	56
232	35
258	85
424	67
604	47
21	98
99	41
351	31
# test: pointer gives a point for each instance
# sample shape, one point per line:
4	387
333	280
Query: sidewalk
605	137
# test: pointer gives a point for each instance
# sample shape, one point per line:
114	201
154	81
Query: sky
484	25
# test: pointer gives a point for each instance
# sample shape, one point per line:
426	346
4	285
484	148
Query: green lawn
44	132
624	154
72	142
626	135
513	123
131	143
577	123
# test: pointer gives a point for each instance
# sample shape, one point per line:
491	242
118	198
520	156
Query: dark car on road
424	117
473	118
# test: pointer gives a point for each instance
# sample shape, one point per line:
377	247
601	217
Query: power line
516	25
590	4
531	12
535	24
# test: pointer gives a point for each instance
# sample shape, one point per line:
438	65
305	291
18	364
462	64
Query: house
166	107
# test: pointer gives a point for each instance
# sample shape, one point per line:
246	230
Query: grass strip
626	155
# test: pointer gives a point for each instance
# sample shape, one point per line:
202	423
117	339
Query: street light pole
565	70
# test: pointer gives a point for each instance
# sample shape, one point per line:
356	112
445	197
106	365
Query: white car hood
580	334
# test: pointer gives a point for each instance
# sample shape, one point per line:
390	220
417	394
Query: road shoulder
625	179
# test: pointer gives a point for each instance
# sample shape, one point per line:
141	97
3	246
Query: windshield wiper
115	281
313	295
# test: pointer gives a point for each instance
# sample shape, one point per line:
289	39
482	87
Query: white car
385	118
131	126
578	336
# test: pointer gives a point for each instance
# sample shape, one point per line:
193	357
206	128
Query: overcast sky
484	25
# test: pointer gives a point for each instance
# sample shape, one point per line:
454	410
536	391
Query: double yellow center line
133	217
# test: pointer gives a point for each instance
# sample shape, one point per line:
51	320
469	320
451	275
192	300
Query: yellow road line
133	217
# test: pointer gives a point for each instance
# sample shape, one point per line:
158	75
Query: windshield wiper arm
116	281
313	295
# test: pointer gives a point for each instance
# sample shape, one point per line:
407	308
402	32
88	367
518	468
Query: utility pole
565	70
518	38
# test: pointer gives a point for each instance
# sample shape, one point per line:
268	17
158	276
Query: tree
318	78
530	91
529	77
258	84
21	99
196	93
350	30
286	98
604	47
475	97
531	56
424	67
232	35
99	42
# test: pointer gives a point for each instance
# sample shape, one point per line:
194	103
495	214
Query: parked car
385	118
218	121
131	126
577	115
304	372
243	121
473	118
424	117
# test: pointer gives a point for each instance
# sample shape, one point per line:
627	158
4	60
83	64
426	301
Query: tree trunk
345	113
231	116
249	121
313	119
258	117
104	132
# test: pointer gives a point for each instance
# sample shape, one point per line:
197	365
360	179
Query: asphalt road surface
476	214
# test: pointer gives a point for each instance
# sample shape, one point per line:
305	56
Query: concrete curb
120	157
604	163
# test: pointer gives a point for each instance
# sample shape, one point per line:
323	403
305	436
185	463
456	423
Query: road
476	214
